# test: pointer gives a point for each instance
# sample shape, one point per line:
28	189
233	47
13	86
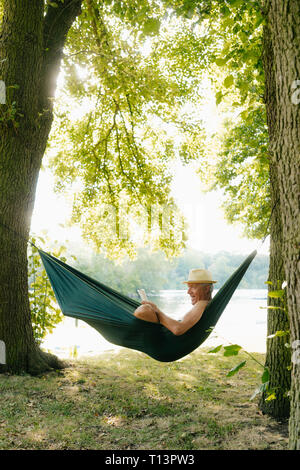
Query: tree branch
57	22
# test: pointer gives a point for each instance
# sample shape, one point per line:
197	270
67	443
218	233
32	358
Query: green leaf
235	3
232	350
265	376
228	82
279	334
271	307
220	62
271	397
258	22
216	349
225	11
235	369
219	97
244	114
276	294
151	26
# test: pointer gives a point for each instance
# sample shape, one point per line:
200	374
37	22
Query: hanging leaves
235	158
151	26
127	76
45	313
228	82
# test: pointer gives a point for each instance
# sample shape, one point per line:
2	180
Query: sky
208	229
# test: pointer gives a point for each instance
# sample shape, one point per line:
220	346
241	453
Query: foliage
233	350
242	171
128	68
235	158
45	314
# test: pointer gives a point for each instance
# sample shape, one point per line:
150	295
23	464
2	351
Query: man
200	286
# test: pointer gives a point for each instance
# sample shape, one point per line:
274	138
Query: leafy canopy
132	69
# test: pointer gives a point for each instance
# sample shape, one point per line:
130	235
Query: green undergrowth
126	400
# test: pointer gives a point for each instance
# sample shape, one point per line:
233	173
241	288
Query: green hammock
111	313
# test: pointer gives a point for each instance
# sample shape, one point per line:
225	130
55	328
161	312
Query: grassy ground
128	401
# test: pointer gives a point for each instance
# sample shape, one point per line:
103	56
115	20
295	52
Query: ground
126	400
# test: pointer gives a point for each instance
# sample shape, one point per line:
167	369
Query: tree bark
283	20
31	44
278	356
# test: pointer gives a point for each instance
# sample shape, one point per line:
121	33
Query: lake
243	322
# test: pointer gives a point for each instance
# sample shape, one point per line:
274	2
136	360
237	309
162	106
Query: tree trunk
278	356
30	55
283	20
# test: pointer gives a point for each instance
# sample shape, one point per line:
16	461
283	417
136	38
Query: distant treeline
152	271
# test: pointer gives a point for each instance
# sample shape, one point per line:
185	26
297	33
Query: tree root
35	362
40	362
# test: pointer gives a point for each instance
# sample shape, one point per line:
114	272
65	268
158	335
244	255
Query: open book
142	294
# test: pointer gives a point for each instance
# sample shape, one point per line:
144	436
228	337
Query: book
142	294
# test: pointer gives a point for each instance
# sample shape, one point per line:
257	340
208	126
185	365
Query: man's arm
180	327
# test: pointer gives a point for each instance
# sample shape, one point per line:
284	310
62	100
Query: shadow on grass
126	400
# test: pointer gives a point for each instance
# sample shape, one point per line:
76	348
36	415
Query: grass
126	400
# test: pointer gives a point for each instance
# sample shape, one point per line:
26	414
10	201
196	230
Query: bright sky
208	230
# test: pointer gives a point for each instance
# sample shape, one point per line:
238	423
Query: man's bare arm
180	327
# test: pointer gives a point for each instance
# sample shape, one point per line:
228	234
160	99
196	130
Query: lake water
243	322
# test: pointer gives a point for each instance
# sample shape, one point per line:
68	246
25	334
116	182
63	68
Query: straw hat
200	276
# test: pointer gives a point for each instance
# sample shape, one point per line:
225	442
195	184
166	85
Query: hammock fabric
111	313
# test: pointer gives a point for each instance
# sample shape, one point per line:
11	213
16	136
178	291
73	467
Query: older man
200	286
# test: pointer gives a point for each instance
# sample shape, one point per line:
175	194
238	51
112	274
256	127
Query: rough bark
278	356
31	44
283	20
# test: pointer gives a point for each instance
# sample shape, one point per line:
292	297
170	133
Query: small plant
9	111
233	349
45	314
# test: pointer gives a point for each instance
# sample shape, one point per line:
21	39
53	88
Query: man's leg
147	313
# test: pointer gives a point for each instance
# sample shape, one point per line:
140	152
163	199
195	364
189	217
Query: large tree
31	43
278	356
283	34
118	159
237	160
280	57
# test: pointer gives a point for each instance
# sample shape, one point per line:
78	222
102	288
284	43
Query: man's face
197	292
